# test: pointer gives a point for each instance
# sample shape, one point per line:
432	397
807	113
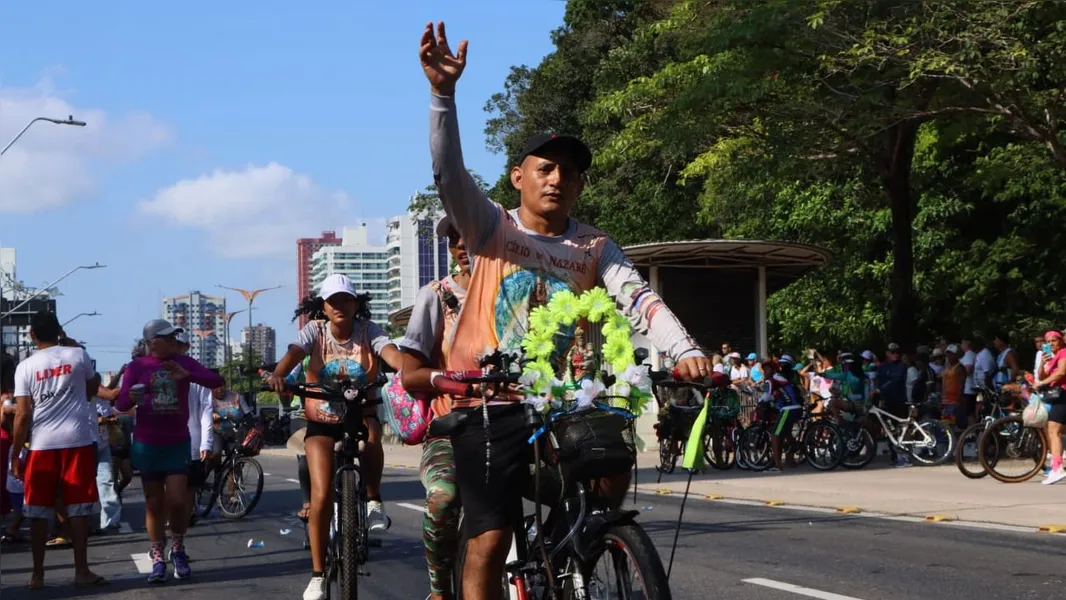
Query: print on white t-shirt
54	380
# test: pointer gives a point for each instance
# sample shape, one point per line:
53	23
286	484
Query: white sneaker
1055	476
376	517
316	589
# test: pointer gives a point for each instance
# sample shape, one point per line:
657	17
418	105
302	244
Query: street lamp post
250	296
49	286
68	121
92	314
229	319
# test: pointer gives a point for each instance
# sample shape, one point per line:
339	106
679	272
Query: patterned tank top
514	273
332	361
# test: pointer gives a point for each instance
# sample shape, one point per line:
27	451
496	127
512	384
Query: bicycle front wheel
350	522
207	495
823	445
628	565
967	457
240	488
1012	452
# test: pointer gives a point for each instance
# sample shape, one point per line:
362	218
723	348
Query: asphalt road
725	551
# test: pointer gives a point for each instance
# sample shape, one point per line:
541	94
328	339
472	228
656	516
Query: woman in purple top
158	385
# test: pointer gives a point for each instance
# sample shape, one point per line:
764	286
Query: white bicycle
929	441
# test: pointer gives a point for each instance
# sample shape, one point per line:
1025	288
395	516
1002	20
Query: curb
857	511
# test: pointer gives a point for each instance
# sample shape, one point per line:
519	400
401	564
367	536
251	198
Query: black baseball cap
568	143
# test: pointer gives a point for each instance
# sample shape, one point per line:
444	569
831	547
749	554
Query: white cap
337	283
735	355
952	348
867	355
786	359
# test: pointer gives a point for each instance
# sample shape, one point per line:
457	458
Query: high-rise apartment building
263	340
203	317
416	257
15	327
366	265
305	250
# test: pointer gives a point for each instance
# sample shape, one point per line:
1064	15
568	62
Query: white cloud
259	211
54	165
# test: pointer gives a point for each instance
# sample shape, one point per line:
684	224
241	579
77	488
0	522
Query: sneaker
181	564
1055	476
902	463
376	517
159	573
316	589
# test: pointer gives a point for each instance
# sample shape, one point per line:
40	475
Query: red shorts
67	473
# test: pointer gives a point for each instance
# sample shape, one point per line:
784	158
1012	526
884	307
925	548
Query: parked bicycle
1011	452
235	483
815	439
560	556
349	537
967	454
721	430
929	441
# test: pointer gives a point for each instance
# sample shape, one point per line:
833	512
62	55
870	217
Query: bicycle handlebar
345	391
672	379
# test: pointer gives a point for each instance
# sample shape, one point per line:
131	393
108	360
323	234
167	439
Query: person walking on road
158	385
521	258
425	345
53	411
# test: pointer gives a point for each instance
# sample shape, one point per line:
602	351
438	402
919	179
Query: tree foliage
921	142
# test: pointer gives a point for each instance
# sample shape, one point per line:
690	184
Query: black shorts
1056	413
497	503
335	430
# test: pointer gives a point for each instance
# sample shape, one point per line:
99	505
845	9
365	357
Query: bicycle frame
905	425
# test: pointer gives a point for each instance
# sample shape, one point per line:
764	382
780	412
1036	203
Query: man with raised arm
521	257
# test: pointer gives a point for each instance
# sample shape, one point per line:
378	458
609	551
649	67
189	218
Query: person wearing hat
343	343
754	367
738	371
425	345
161	441
199	433
522	257
891	390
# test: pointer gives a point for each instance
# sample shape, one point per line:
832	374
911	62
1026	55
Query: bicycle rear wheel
348	570
859	446
241	488
935	450
970	464
755	448
1012	452
823	445
636	570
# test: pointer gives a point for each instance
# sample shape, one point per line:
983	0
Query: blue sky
220	132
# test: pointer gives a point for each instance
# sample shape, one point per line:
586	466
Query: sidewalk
933	493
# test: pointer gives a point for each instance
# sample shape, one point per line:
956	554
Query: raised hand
442	68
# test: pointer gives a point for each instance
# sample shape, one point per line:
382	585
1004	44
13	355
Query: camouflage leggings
441	522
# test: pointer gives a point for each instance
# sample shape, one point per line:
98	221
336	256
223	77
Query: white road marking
795	589
290	480
420	509
266	474
143	562
124	527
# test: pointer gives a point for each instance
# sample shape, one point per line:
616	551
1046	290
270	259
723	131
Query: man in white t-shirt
969	391
53	406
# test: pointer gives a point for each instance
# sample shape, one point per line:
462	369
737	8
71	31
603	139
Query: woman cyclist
343	343
425	344
1053	375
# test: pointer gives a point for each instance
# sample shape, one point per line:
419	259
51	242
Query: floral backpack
409	414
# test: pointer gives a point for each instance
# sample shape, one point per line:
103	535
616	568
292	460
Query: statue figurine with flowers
582	379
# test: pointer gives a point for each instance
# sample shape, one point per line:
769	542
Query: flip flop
100	580
57	542
35	585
